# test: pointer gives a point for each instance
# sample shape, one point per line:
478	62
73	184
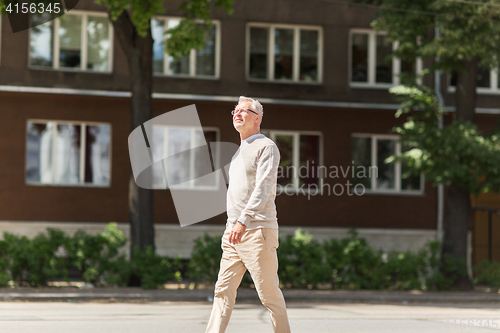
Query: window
76	41
189	162
203	63
284	53
488	81
368	153
370	63
300	158
68	153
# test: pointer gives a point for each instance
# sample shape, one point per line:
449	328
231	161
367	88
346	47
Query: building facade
319	70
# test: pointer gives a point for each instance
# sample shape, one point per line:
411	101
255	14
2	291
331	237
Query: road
175	317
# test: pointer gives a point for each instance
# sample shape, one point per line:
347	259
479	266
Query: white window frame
397	167
84	47
372	60
192	54
216	160
296	52
83	143
296	158
494	88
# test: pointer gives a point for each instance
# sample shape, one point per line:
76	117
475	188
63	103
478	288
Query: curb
244	295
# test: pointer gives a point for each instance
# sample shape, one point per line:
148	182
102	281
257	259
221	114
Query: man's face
245	120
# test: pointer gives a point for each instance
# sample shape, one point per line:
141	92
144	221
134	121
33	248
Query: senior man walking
251	236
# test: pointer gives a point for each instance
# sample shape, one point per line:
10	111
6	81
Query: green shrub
301	261
96	256
442	270
359	266
403	271
205	259
32	262
153	269
488	273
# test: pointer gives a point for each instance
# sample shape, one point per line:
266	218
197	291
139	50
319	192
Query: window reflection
98	43
283	54
54	153
70	41
359	58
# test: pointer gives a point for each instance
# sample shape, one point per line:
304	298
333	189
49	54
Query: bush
488	273
154	270
353	262
205	259
442	271
96	256
301	261
32	262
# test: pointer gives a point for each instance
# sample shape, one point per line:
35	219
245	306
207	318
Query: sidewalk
73	294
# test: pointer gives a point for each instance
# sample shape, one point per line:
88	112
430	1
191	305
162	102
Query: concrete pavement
180	317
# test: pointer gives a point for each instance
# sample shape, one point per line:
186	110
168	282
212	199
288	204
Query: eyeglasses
235	112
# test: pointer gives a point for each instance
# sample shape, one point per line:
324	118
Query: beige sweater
252	184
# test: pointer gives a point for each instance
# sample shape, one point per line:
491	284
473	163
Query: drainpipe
440	189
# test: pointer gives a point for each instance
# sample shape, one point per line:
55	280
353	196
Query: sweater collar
252	137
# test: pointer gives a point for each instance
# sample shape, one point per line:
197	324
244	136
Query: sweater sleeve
265	183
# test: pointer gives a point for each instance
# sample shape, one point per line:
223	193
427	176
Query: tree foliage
188	34
457	153
467	30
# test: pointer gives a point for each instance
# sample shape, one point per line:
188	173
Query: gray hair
255	104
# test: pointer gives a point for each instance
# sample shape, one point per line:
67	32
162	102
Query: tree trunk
466	94
458	205
457	222
139	53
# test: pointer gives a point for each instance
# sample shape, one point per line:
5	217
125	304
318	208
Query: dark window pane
408	71
41	42
483	78
308	55
158	30
205	59
70	41
309	159
384	64
286	168
359	58
258	52
283	54
361	154
385	172
97	154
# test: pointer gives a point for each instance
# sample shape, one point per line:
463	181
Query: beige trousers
257	253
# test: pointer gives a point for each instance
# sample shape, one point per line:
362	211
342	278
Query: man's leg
260	258
230	275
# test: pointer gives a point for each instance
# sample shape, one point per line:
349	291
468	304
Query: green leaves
189	34
468	30
457	154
